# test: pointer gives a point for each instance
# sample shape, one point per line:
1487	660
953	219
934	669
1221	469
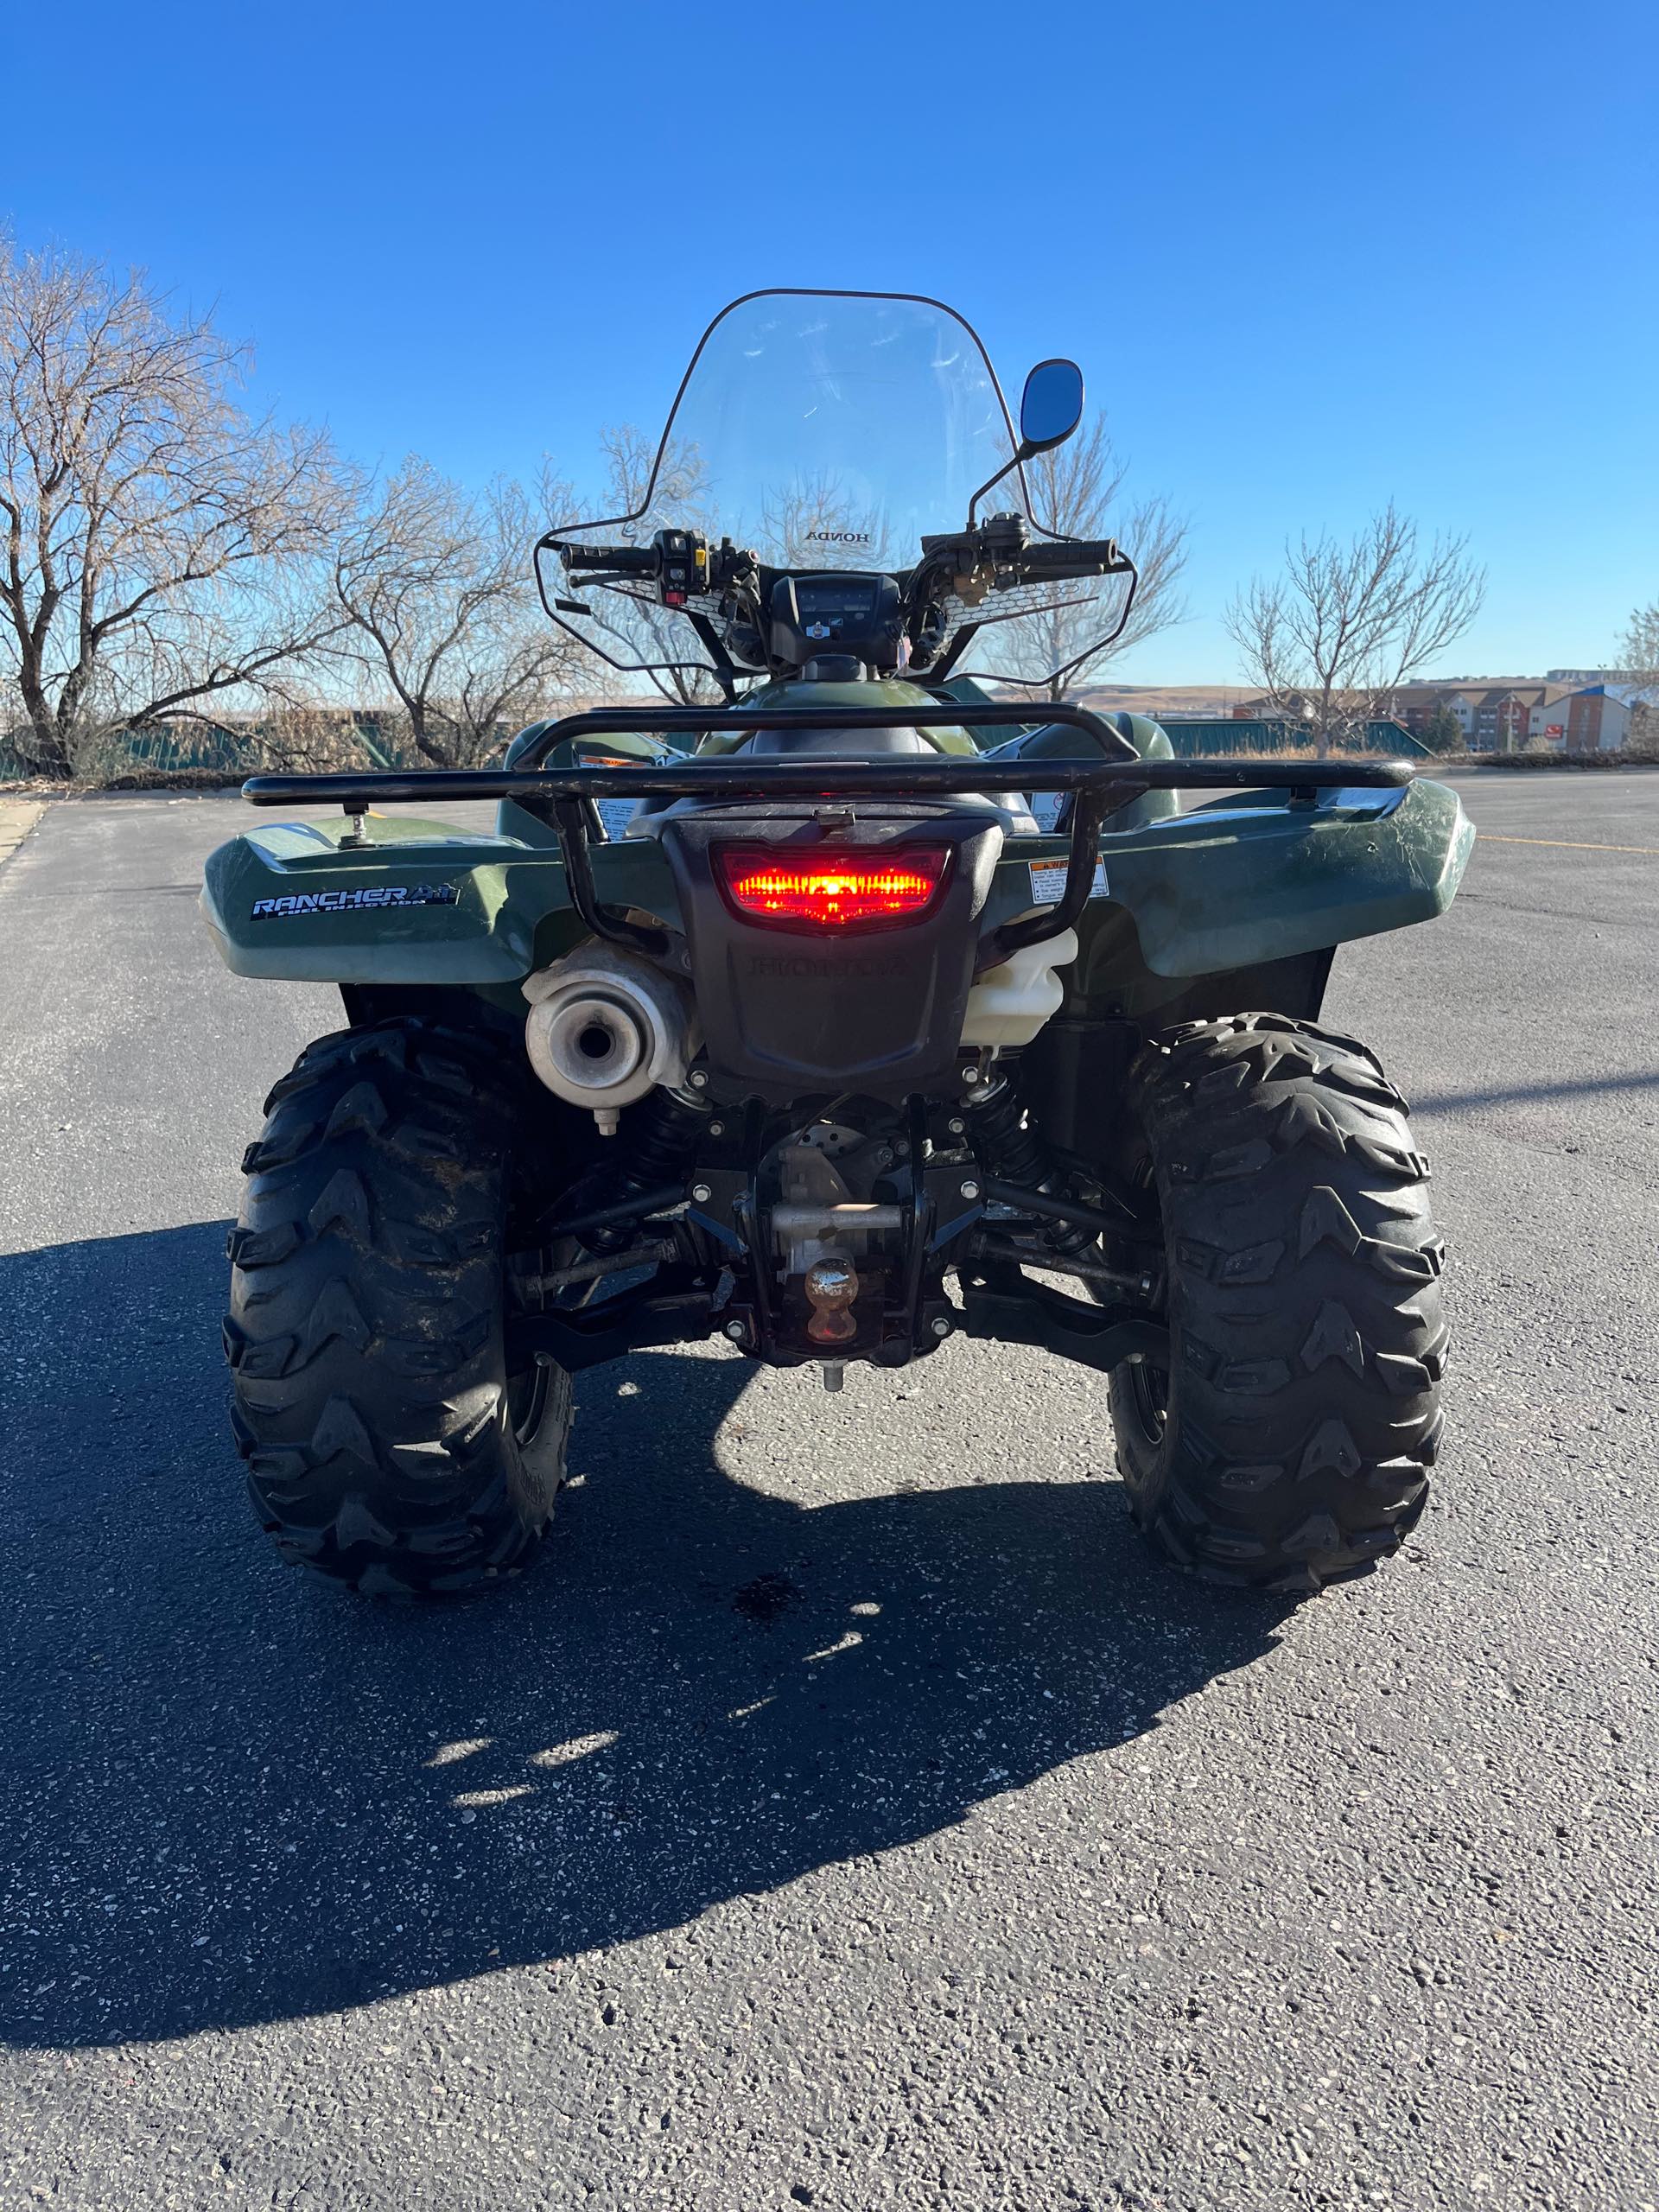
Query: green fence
176	748
1212	740
1268	737
1221	738
206	746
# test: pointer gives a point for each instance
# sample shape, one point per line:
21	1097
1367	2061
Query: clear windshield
822	429
838	429
835	430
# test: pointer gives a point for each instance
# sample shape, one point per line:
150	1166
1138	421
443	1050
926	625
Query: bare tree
1639	649
816	519
631	621
436	587
1330	640
1639	658
307	733
1076	490
160	546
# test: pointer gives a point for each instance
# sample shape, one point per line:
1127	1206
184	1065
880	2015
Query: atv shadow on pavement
238	1797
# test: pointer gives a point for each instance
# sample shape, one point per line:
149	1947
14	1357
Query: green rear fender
1231	884
1249	877
422	903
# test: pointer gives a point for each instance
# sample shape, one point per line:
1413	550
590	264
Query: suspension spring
1014	1152
659	1134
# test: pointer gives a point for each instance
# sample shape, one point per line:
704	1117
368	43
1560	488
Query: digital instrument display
831	600
833	613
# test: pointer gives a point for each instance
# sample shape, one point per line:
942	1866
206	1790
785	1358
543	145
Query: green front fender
1248	879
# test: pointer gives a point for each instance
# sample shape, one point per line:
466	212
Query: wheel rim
1148	1384
1150	1395
527	1403
538	1410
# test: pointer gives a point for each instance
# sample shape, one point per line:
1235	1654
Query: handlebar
1080	556
614	560
1072	556
1004	546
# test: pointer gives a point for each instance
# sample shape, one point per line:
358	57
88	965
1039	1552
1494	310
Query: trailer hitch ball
831	1289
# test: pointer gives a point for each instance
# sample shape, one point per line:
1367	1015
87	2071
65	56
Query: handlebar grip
617	560
1074	556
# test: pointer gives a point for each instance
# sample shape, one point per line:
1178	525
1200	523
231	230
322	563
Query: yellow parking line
1562	845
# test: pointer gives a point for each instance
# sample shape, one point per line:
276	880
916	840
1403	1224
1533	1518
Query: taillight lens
875	889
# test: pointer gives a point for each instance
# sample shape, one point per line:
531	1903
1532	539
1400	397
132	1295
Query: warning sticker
616	814
1048	881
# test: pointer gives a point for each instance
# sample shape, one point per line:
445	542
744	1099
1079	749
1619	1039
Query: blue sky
1310	256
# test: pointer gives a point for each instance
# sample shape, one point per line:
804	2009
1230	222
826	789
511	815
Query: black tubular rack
1098	786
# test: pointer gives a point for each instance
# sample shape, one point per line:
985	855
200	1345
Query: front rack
1098	787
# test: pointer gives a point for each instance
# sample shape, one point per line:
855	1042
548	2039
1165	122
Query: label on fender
1048	881
373	897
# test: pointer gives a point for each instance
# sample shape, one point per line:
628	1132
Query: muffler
605	1028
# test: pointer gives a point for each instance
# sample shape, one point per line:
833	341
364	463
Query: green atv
870	1004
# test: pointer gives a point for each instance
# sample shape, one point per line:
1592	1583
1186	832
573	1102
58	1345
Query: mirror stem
1021	455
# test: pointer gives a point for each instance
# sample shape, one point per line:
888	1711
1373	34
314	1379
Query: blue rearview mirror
1051	407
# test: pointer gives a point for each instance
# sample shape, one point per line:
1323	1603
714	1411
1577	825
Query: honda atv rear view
882	1001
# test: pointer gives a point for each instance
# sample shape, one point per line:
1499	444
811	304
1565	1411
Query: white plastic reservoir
1009	1004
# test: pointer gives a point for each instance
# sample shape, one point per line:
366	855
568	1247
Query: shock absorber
1014	1152
659	1134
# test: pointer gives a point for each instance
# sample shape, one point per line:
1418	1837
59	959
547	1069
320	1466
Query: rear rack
1098	787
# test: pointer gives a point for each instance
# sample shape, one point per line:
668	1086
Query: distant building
1493	714
1580	711
1593	719
1501	717
1577	679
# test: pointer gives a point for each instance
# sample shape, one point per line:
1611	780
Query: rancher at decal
351	902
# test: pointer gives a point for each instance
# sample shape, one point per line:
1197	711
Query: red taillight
833	891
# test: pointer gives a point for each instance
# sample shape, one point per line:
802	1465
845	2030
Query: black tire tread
368	1389
1307	1334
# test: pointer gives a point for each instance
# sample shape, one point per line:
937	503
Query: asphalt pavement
851	1812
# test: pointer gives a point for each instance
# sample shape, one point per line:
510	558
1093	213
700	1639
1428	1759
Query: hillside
1215	701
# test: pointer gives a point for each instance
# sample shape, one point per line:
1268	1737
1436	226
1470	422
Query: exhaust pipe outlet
605	1028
